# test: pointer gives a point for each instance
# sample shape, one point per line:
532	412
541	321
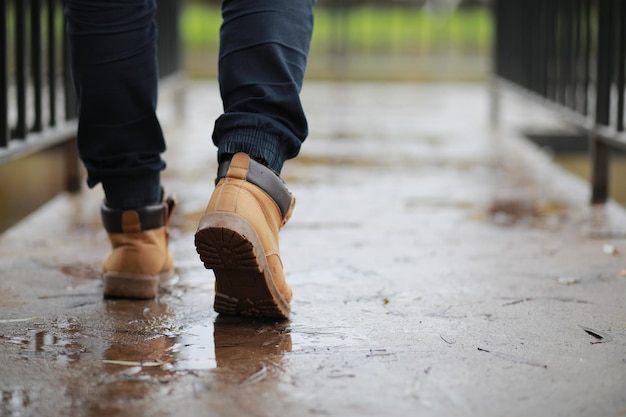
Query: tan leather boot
238	239
140	259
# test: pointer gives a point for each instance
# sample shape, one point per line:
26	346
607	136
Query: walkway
439	269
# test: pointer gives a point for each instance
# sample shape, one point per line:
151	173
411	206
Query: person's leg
264	47
113	58
114	67
263	53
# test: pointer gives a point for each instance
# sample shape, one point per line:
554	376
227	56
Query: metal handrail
25	57
571	54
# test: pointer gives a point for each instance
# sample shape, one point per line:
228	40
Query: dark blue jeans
264	46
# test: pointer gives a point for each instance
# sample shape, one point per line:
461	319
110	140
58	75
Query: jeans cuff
260	145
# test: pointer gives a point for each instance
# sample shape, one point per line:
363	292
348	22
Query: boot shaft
256	193
139	240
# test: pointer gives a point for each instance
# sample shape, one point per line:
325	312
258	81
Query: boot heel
229	246
127	285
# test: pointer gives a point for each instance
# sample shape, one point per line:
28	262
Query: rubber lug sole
229	245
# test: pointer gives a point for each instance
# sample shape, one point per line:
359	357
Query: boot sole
244	286
128	285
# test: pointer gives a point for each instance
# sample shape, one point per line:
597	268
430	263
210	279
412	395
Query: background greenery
367	42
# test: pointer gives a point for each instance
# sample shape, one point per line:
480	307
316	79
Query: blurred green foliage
368	30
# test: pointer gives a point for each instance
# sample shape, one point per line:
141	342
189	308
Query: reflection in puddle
230	342
137	334
136	350
238	341
194	349
250	353
41	341
238	358
59	343
14	401
146	335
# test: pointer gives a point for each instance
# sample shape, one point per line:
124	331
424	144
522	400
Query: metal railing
570	53
39	108
36	98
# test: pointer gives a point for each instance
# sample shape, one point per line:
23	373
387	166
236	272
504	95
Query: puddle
57	346
230	342
226	342
130	351
144	340
195	349
137	317
15	401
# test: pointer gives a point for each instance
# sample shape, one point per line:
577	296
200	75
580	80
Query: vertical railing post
599	153
621	58
72	169
551	50
5	133
52	62
20	68
587	56
494	90
71	110
599	149
540	48
36	63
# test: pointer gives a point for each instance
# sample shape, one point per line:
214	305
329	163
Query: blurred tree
416	3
